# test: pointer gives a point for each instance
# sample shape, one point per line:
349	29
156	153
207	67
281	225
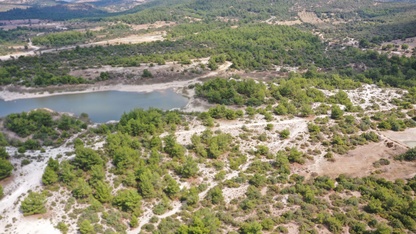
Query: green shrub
62	227
5	168
410	155
49	176
147	74
336	112
34	203
85	227
285	134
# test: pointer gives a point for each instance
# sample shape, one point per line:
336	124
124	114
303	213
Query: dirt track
132	39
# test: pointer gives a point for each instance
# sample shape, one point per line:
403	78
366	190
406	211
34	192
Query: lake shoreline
13	93
28	93
101	107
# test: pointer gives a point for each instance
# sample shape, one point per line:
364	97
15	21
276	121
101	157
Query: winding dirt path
132	39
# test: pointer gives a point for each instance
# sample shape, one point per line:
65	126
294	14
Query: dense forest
58	12
250	47
62	38
384	21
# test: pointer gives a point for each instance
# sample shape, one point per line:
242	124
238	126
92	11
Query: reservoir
100	106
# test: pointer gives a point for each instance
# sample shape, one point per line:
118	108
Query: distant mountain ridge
169	9
63	9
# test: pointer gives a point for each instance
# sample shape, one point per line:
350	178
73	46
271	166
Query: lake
100	106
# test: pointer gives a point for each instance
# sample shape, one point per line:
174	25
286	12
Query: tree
172	187
125	157
295	156
3	141
251	228
364	43
128	200
197	226
374	206
5	168
85	227
82	190
191	196
62	227
147	74
66	173
97	173
102	192
49	176
212	64
3	152
145	183
215	195
258	180
336	112
133	221
267	224
281	109
333	224
306	110
104	76
86	158
324	182
34	203
189	169
172	147
53	164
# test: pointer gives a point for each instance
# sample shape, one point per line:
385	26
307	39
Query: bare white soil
358	162
25	179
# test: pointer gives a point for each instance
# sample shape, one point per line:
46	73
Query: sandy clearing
24	179
309	17
157	24
359	163
368	95
234	193
16	55
296	125
133	39
406	137
273	20
30	52
397	50
289	22
411	41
